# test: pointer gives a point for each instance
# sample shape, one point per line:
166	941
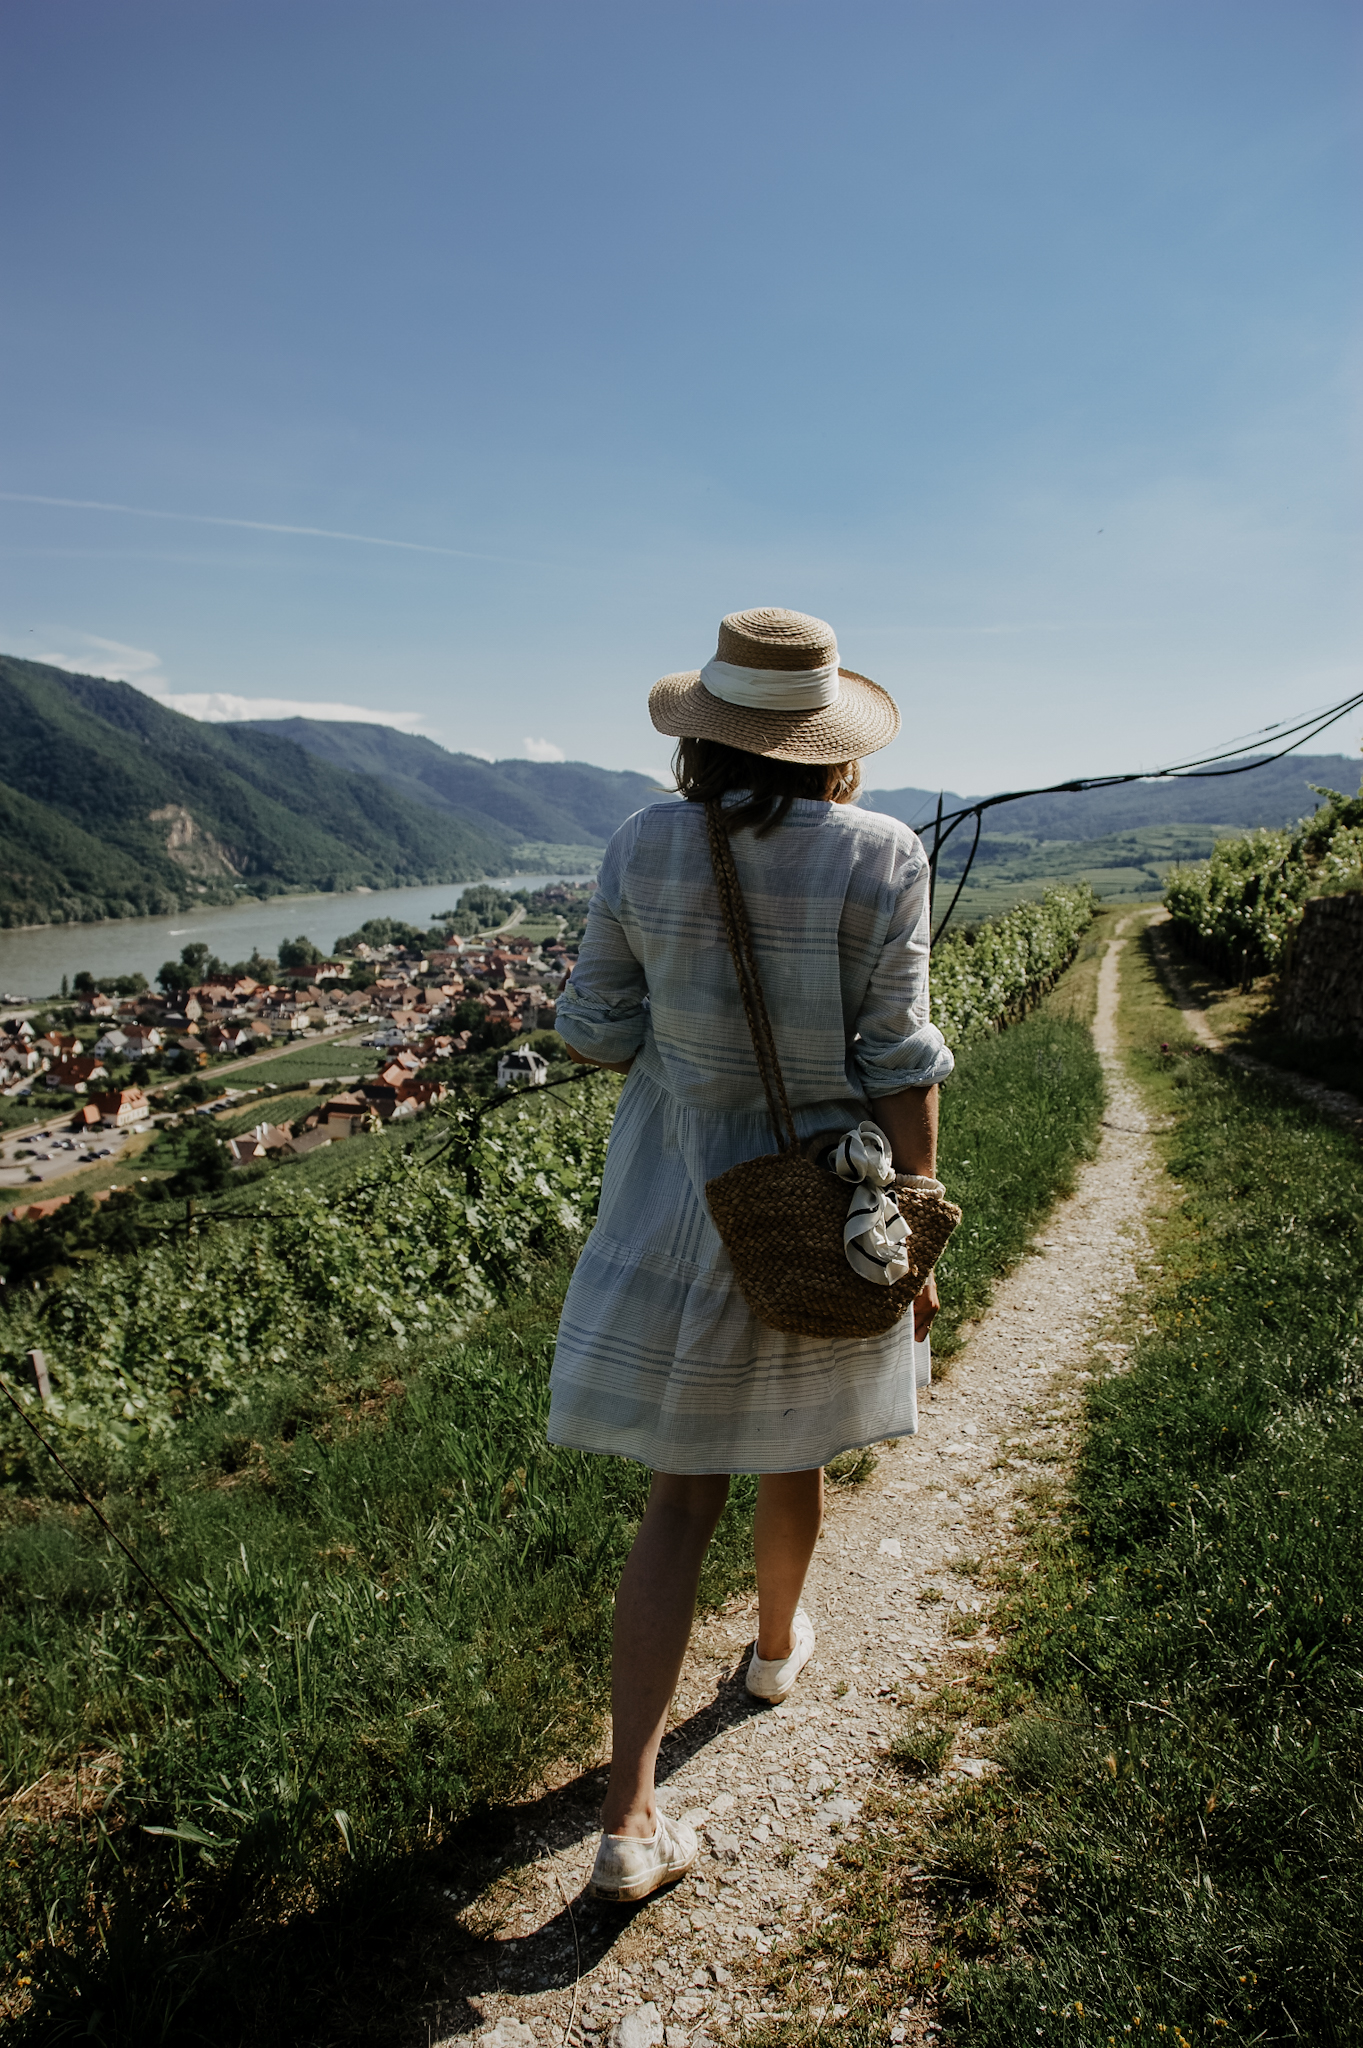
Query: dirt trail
770	1789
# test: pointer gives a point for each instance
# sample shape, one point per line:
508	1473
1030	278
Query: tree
383	931
193	965
206	1165
490	906
491	1036
299	952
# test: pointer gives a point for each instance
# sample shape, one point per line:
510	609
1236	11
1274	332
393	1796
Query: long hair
707	769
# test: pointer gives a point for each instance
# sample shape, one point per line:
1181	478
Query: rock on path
771	1790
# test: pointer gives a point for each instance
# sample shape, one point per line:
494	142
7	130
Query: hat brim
863	719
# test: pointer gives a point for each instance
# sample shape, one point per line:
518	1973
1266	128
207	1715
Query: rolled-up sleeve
603	1010
896	1046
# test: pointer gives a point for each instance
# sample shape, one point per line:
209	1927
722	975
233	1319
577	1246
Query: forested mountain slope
564	801
113	806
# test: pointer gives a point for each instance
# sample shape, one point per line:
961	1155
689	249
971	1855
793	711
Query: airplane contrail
368	540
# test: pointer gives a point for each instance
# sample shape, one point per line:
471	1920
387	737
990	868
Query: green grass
1182	1798
16	1115
320	1062
1018	1116
416	1592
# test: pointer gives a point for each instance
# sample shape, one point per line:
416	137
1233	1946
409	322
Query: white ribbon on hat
772	689
875	1233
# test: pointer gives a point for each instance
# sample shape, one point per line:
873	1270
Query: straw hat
774	687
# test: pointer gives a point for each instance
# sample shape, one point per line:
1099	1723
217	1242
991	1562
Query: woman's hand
925	1306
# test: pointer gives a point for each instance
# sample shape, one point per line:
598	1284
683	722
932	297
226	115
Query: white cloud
94	656
112	659
542	750
221	707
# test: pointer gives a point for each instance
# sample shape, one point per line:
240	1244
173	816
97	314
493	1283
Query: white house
522	1068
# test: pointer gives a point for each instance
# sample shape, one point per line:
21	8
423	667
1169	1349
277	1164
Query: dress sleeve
603	1008
896	1045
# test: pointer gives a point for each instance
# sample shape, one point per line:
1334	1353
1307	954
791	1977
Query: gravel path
771	1789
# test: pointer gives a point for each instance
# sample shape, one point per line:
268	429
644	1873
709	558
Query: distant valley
113	806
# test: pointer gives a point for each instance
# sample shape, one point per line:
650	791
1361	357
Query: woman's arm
611	1066
909	1121
602	1008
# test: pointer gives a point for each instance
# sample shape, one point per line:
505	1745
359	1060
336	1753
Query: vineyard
989	977
1238	910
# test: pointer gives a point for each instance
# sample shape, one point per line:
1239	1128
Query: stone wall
1322	984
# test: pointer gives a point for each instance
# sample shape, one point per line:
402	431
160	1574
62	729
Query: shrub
989	977
1239	909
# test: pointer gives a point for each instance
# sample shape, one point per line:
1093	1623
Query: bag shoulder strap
739	934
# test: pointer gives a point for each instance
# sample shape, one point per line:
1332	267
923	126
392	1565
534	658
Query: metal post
37	1365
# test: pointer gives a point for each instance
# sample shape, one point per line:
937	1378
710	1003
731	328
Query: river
32	963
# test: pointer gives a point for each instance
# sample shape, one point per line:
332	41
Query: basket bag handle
738	932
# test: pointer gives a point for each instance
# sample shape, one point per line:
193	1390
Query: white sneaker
628	1868
773	1680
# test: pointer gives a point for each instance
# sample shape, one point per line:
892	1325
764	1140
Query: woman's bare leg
653	1614
785	1530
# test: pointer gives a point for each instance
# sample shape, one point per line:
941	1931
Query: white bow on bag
875	1234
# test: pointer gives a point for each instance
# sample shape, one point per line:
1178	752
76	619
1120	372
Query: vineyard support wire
1204	768
131	1556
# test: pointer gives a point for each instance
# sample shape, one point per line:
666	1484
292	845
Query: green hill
1270	793
113	806
568	803
1122	841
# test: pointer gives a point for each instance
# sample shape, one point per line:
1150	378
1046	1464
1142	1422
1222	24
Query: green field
1125	868
541	857
320	1062
413	1591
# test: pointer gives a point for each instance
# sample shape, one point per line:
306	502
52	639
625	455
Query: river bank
33	961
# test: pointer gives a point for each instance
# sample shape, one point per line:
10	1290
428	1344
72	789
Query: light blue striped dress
659	1358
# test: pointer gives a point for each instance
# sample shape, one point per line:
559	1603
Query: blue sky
1019	341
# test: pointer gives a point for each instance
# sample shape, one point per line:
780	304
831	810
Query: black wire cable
1203	767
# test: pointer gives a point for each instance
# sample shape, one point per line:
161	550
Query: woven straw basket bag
781	1217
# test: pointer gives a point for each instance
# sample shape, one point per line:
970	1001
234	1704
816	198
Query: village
108	1067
